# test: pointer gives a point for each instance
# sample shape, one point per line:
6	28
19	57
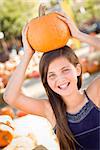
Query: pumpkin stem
42	9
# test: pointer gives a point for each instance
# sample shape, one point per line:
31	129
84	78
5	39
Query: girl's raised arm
93	91
12	94
76	33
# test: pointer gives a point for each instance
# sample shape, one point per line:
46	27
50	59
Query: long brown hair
65	137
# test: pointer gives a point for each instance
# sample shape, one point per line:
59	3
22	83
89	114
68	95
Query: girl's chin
65	92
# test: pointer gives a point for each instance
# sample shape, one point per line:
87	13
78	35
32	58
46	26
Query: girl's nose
61	79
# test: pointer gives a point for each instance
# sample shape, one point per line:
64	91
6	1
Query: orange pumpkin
7	111
84	62
6	130
93	67
47	33
20	113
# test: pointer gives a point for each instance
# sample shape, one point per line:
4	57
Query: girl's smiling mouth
63	86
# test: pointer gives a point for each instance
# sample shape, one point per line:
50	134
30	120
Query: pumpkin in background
20	113
47	32
93	67
7	111
84	62
6	130
34	74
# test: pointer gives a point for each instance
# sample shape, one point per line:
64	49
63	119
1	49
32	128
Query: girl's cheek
74	76
72	73
50	82
69	74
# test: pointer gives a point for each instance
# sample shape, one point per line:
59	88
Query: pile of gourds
91	63
6	130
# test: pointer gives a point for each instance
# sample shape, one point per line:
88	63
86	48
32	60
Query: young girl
73	114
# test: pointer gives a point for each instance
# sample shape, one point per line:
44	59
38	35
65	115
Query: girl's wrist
27	56
78	35
28	53
82	36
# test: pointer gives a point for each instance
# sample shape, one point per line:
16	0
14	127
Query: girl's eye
65	70
52	76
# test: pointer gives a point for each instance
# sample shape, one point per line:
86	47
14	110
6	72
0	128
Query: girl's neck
75	102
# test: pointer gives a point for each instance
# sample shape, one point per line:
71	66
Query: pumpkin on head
47	32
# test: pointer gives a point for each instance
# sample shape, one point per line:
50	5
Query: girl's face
62	76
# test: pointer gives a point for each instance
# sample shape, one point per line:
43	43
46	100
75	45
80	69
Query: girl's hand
72	27
27	48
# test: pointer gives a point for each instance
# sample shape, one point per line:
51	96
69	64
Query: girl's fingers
64	15
66	19
62	18
60	14
25	28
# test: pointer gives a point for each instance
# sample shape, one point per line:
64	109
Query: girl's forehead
59	62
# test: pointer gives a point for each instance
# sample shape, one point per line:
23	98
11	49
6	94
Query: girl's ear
79	69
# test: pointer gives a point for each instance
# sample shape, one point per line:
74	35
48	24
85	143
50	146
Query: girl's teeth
63	86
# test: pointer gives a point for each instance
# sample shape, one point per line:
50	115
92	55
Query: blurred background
13	16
